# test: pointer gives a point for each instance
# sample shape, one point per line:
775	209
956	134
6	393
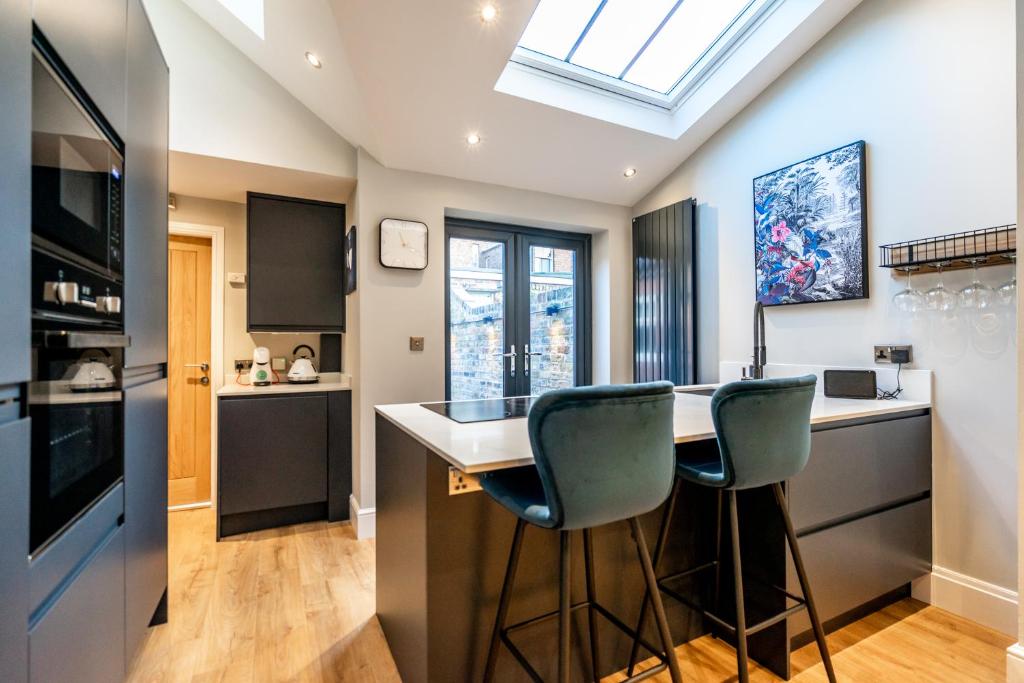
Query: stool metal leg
718	551
659	551
659	608
588	558
737	570
504	600
805	586
564	615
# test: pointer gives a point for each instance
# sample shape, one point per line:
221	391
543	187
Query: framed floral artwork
810	230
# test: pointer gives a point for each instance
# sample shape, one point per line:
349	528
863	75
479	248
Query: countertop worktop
329	381
482	446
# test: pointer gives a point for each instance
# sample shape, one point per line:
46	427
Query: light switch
415	343
278	363
236	278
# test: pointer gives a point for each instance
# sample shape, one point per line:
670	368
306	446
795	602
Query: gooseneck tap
756	369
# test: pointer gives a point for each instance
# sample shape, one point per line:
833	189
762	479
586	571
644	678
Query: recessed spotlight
473	139
488	13
629	172
313	60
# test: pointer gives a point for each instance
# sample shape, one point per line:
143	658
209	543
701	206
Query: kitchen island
861	507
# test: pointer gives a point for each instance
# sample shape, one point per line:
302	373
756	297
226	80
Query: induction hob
483	410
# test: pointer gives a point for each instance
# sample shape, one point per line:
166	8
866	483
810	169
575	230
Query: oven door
77	410
76	174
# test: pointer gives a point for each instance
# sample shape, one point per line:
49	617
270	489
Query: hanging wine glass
938	298
909	300
1007	292
976	295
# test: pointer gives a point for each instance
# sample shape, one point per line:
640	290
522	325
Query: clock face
403	244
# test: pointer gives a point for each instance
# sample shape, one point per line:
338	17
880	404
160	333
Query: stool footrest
504	634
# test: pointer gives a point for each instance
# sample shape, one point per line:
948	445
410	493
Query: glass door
518	308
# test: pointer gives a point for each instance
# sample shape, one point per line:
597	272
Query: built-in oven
77	168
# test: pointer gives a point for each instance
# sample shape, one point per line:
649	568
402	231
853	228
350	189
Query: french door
517	310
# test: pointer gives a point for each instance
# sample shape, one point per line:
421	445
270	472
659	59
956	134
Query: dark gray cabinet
283	459
145	193
90	38
296	265
14	473
15	192
145	507
80	636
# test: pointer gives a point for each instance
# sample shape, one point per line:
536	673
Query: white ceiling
408	79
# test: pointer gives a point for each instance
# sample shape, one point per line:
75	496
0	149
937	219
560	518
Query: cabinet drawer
854	563
273	452
81	636
862	467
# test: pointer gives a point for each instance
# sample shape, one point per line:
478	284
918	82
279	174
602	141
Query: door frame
474	229
215	233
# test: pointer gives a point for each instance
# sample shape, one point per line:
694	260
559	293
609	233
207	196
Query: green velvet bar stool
764	438
602	454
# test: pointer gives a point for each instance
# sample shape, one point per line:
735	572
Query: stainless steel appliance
75	394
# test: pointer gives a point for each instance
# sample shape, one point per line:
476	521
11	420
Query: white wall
394	305
929	85
223	105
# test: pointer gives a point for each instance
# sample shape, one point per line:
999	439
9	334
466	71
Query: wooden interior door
188	397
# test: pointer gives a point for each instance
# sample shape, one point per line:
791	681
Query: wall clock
403	244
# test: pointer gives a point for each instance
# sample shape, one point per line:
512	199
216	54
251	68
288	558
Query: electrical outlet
894	354
415	343
243	365
460	482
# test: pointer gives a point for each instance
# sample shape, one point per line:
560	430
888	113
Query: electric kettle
91	374
302	370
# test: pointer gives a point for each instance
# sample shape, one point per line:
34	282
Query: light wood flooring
297	604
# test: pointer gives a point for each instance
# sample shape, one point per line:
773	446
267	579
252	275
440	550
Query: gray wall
929	85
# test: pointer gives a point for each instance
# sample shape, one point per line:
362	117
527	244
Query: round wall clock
403	244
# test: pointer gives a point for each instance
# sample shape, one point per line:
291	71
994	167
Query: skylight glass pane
694	28
555	26
619	32
249	12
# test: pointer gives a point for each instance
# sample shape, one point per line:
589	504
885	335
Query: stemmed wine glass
938	298
976	295
1007	292
909	300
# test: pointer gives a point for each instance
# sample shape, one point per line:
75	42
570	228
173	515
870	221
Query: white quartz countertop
329	381
481	446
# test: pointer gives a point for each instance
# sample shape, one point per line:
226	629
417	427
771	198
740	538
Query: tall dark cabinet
296	252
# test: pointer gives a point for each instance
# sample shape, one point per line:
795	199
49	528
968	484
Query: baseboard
189	506
982	602
364	520
1015	663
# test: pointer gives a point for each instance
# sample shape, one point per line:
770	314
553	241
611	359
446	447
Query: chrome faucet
756	369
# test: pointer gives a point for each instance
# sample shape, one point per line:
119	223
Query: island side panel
402	548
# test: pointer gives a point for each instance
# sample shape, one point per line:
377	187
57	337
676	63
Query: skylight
639	47
249	12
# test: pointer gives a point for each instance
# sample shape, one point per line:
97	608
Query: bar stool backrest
604	453
764	429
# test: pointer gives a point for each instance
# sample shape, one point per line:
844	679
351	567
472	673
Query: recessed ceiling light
488	13
473	139
313	60
629	172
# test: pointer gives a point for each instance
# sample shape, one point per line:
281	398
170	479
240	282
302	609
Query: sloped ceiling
408	79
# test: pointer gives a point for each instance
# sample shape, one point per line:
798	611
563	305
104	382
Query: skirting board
364	520
985	603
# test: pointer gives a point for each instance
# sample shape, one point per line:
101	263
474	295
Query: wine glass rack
986	247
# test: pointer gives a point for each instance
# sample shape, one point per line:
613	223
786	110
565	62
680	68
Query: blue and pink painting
810	230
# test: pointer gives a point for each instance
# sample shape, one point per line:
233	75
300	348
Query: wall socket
894	354
460	482
243	365
415	343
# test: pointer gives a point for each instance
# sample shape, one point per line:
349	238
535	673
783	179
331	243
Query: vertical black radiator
664	295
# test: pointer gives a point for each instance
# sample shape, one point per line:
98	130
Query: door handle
205	367
511	354
527	353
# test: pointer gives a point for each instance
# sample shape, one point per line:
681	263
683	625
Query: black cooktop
483	410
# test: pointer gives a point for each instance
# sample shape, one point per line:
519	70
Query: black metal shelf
983	247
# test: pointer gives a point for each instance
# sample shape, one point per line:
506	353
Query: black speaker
851	384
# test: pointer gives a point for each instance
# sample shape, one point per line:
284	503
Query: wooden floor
297	604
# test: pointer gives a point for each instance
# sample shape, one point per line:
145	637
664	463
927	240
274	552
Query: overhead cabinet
296	269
